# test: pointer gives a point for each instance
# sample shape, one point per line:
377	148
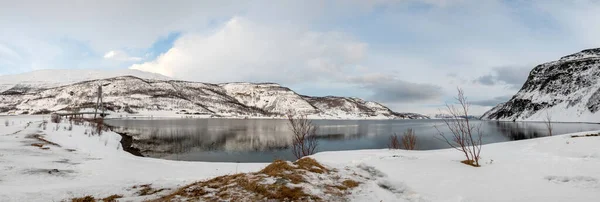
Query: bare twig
548	122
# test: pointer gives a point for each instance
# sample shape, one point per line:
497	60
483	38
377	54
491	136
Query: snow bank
558	168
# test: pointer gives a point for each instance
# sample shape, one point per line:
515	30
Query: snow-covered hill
567	90
49	78
159	96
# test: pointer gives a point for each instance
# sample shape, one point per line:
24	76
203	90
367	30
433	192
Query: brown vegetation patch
588	135
470	162
350	183
311	165
84	199
112	198
279	181
146	189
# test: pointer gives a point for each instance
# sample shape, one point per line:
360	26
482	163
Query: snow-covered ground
558	168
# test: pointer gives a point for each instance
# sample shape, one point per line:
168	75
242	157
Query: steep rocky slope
567	90
133	95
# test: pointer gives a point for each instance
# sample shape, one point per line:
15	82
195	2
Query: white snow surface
558	168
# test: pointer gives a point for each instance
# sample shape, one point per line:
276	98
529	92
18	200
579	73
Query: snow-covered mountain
567	90
49	78
159	95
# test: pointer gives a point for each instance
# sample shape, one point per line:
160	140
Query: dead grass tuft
311	165
277	168
84	199
146	189
112	198
350	183
470	162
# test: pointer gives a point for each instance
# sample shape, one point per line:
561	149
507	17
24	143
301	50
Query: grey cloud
488	80
388	89
514	77
492	102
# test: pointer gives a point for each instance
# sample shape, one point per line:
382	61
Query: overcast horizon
409	55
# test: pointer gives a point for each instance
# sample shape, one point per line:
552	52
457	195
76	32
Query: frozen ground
558	168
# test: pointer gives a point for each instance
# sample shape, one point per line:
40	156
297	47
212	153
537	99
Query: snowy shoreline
558	168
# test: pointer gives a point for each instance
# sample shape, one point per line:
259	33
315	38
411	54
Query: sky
410	55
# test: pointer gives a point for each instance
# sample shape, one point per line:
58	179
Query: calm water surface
260	140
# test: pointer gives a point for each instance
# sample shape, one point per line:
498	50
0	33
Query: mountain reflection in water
263	140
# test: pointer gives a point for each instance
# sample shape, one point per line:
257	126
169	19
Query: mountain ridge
565	90
129	95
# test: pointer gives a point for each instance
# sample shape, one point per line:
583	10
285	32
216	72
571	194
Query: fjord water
264	140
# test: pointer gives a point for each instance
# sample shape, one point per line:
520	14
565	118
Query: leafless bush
55	118
394	143
44	124
409	140
548	122
466	137
304	140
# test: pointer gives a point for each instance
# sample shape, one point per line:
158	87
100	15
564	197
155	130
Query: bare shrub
466	137
409	140
55	118
394	143
548	122
304	140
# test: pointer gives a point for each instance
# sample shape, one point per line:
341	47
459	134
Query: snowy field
32	168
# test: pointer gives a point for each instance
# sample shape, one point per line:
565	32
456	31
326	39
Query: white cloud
242	50
120	56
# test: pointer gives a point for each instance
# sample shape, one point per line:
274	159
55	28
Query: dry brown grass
146	189
256	187
236	187
112	198
311	165
84	199
470	162
284	170
350	183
